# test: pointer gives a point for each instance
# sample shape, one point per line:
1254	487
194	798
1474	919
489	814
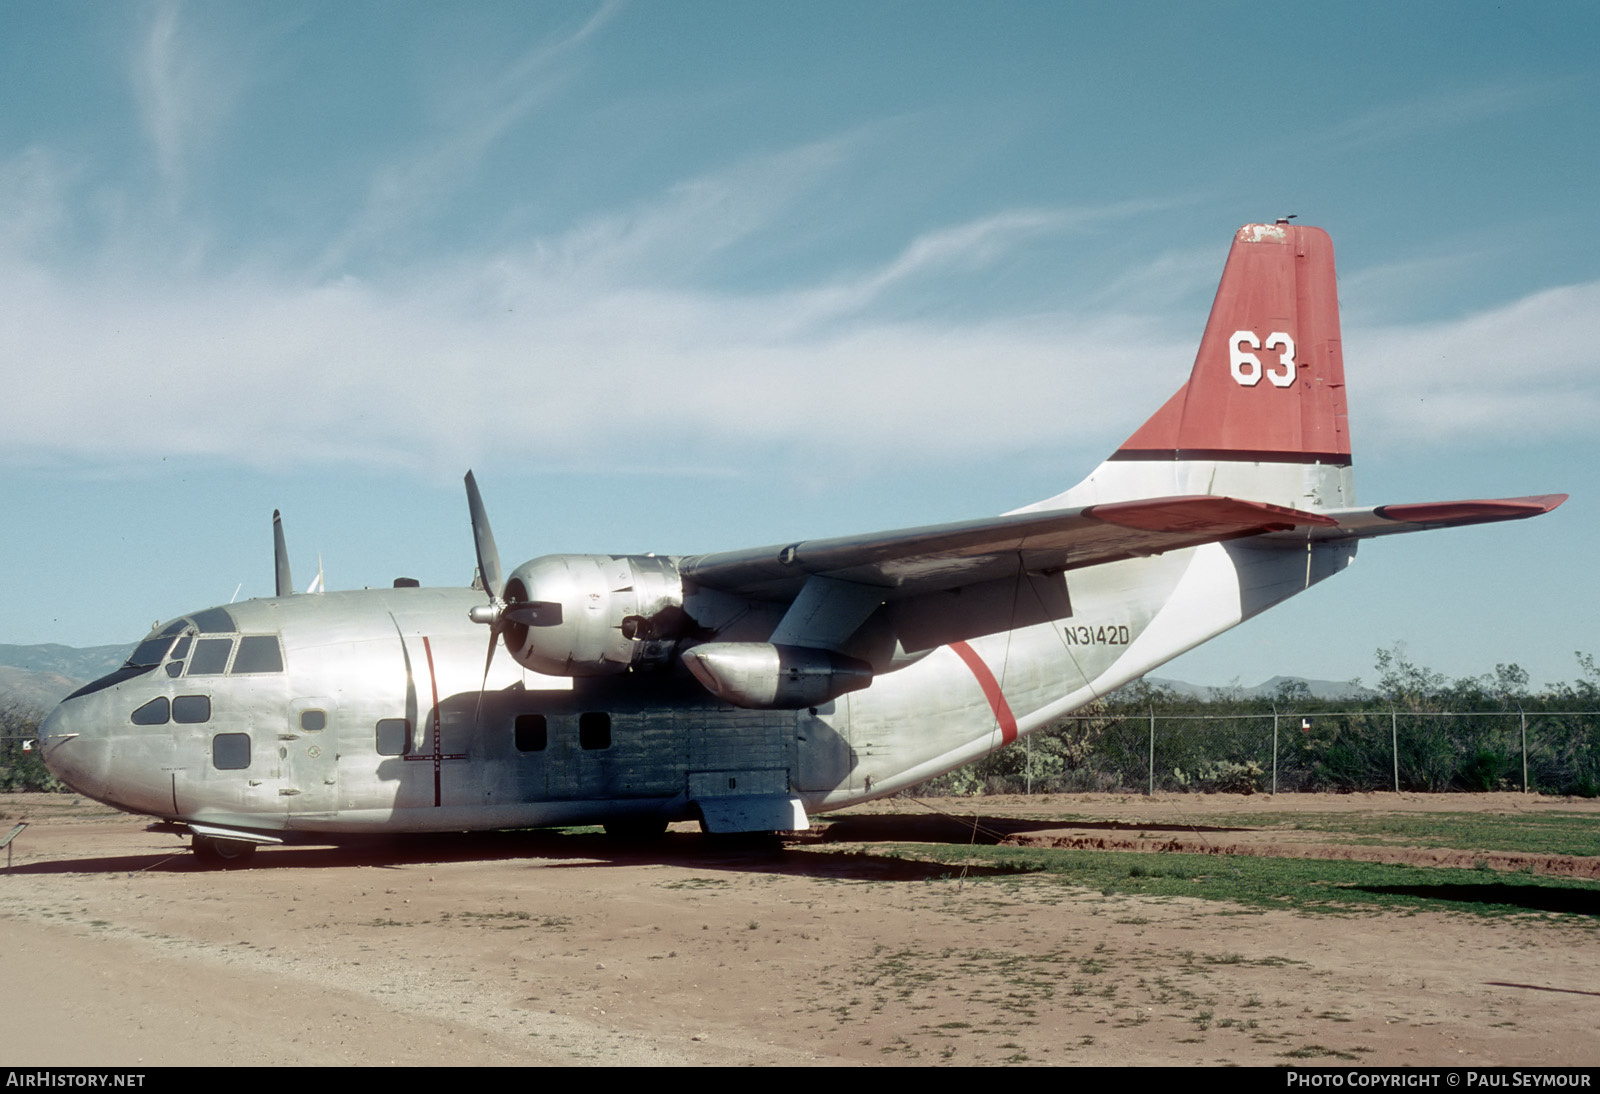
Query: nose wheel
227	854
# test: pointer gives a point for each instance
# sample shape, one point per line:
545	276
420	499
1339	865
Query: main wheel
230	854
636	829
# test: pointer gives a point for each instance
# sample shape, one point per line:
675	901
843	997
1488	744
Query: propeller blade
489	573
494	640
280	556
483	540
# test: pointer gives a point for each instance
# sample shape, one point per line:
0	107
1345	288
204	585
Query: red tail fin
1268	382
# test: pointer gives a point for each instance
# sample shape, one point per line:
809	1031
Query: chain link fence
1543	751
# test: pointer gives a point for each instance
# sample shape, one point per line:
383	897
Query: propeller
280	556
492	613
498	614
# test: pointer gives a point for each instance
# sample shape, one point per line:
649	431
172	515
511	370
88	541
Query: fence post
1151	792
1274	749
1027	778
1394	746
1524	715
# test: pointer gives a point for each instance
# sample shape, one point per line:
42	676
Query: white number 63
1246	366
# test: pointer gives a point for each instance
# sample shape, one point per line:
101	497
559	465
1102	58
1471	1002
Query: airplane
750	689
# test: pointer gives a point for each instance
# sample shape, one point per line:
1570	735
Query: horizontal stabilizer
1386	520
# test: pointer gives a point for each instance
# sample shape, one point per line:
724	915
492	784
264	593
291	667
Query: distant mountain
42	676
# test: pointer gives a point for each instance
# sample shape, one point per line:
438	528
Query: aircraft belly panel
734	752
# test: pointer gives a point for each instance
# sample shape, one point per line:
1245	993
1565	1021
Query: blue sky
680	277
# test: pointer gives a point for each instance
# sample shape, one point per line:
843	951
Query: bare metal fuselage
374	722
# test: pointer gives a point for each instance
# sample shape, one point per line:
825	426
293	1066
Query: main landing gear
227	854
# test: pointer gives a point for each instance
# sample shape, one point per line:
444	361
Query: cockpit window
148	654
210	656
213	621
257	653
175	658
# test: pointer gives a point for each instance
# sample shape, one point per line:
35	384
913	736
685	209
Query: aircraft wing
1388	520
945	556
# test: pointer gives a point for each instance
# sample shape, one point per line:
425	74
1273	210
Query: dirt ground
117	949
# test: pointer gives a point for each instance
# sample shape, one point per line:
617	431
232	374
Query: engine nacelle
763	676
594	615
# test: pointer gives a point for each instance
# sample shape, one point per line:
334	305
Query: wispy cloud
590	349
1432	113
1522	372
602	346
184	88
473	120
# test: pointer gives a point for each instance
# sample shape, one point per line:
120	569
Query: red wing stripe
991	691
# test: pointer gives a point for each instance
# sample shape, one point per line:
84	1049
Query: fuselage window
258	653
191	709
594	730
393	733
230	751
153	713
533	733
210	657
313	721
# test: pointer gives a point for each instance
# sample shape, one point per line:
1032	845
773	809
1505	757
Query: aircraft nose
73	753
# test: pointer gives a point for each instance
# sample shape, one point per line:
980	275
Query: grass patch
1543	833
1309	885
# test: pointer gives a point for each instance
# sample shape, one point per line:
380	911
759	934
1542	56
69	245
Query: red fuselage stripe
991	691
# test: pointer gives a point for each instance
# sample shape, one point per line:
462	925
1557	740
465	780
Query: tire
636	830
228	854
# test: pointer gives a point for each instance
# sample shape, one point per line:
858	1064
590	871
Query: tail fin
1263	415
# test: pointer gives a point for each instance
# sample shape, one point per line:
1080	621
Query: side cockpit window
210	657
258	653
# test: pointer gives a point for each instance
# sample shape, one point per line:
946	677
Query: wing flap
919	560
